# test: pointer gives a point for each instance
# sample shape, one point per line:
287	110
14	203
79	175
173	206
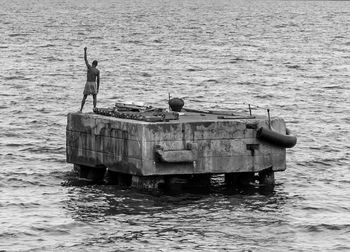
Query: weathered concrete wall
221	146
94	140
217	146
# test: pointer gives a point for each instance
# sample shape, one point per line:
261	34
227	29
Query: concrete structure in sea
152	148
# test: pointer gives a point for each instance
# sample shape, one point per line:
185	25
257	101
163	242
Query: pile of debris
136	112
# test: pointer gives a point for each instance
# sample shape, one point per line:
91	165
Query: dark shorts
90	88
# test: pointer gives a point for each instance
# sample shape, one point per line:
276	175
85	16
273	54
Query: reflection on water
218	219
87	203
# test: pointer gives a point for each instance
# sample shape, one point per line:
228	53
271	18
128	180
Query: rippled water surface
290	56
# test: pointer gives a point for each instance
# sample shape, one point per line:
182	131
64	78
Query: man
92	85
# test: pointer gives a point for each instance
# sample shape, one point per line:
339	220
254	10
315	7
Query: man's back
92	73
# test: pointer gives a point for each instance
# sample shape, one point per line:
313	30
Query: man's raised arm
85	57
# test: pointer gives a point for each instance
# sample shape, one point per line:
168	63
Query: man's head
94	63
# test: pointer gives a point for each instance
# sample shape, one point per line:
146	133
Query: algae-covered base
192	143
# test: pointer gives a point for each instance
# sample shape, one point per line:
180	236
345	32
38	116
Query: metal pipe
169	101
268	114
275	138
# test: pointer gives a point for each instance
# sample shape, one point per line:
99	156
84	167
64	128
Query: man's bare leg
95	100
83	103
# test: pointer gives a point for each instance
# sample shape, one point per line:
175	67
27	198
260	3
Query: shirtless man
93	78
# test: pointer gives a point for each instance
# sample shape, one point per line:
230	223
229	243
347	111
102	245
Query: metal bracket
177	156
252	148
251	126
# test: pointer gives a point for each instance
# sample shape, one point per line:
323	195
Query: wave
52	58
46	149
17	78
47	45
11	134
238	59
209	81
15	144
335	87
322	227
20	204
193	69
18	34
146	75
264	96
11	235
21	182
96	37
54	230
137	42
298	67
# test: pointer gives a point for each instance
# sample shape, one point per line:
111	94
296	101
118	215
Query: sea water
289	56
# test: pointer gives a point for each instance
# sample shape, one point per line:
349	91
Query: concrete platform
194	143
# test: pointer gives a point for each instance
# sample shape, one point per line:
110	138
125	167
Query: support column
90	173
267	177
117	178
242	179
149	183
